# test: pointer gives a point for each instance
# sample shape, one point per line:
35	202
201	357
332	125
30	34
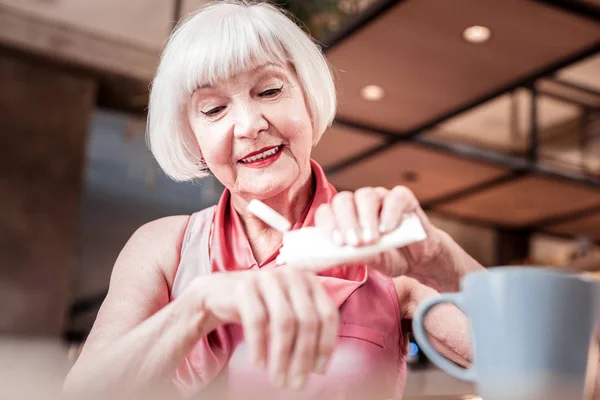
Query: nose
249	121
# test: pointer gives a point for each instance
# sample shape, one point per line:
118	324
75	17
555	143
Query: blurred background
489	110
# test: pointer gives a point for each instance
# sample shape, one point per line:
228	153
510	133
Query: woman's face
254	131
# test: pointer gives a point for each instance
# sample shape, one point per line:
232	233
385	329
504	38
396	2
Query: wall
43	124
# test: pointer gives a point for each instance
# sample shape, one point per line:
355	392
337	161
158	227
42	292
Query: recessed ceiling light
477	34
372	93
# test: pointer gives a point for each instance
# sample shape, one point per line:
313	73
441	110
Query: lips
260	154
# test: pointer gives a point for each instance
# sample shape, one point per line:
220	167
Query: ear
191	140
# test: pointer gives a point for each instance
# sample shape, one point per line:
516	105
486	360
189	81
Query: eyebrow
254	71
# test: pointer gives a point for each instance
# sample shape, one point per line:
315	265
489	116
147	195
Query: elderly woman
197	304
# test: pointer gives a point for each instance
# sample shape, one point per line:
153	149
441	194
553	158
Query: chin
272	180
262	190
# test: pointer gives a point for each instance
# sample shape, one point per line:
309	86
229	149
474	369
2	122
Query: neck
290	203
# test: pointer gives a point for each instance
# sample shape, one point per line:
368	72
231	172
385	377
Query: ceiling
415	51
455	120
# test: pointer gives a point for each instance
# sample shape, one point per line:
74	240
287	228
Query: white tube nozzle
269	216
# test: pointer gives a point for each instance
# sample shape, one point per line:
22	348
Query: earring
203	166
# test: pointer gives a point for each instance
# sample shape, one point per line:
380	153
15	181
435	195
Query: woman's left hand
362	217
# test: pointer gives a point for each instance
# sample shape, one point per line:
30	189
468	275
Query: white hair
214	43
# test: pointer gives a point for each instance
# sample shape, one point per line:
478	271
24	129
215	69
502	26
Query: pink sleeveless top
369	359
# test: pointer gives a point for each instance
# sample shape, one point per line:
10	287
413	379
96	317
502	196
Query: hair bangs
237	43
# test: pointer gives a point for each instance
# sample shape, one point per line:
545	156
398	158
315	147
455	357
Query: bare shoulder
155	244
160	229
140	282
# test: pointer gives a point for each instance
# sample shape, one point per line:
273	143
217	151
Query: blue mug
534	333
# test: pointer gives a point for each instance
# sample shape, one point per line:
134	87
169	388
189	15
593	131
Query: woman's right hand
285	314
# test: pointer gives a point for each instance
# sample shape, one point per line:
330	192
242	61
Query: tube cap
269	216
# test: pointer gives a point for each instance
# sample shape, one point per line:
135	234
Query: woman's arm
138	337
451	263
446	324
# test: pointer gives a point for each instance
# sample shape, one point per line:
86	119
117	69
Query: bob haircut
214	43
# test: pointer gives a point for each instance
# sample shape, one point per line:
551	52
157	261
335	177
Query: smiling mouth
262	156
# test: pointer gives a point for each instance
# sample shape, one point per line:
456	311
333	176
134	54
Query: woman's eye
213	111
271	92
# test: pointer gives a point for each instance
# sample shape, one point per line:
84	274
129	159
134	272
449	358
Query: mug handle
465	374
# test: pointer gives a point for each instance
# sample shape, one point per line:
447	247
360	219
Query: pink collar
231	251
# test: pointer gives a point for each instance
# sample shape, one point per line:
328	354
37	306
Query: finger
345	216
399	201
368	205
329	324
325	219
282	327
253	315
381	191
305	346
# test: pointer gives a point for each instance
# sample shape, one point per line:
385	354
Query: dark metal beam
532	153
576	86
564	99
583	137
357	22
512	162
565	217
472	189
369	130
576	7
566	176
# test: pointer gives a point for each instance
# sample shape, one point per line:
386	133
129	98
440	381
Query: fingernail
382	227
298	382
352	237
337	238
321	365
280	380
367	235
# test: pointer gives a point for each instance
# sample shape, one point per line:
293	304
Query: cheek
298	128
212	143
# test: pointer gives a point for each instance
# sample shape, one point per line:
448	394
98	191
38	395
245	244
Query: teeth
260	156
